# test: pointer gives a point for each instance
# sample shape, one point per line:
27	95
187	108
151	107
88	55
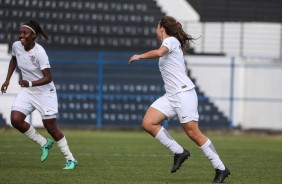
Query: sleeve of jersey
168	43
43	60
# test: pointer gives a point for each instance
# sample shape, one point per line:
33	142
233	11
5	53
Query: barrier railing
240	39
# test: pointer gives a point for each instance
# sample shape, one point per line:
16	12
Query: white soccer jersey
31	63
173	68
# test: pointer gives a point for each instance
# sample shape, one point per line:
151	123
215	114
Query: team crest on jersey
32	59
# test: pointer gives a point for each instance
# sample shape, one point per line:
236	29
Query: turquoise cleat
71	164
45	149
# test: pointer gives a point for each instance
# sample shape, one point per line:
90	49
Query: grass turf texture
134	157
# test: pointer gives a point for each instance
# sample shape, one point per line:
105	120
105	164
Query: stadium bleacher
239	10
95	25
125	91
90	43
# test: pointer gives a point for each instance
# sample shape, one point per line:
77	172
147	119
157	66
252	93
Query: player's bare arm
47	78
12	67
150	55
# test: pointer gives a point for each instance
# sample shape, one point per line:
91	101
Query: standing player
180	98
38	92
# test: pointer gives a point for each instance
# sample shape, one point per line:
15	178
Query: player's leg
188	115
192	130
58	136
151	121
159	111
17	120
47	105
20	109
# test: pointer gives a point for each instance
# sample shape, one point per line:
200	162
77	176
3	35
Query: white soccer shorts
183	104
45	103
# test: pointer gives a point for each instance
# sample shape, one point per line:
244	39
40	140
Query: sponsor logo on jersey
32	59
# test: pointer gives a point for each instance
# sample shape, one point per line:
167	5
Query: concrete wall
257	89
179	9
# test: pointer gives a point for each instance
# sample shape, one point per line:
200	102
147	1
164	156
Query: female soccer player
38	92
180	98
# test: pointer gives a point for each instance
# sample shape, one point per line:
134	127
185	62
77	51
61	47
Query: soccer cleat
71	164
179	159
221	175
45	149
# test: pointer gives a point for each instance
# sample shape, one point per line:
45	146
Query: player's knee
15	121
144	125
147	124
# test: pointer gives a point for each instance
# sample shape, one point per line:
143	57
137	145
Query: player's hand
134	58
4	87
24	83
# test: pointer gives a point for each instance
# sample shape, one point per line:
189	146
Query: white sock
35	136
63	145
212	155
166	140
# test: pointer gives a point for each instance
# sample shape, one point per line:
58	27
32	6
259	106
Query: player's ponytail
174	28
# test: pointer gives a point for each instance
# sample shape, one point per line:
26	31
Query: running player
38	92
180	98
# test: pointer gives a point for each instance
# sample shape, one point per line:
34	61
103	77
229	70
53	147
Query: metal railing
243	39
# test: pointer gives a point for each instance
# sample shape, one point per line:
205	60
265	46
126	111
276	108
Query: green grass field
129	157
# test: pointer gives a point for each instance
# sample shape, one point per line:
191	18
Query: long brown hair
174	28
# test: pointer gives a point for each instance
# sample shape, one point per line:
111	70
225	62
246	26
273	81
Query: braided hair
35	27
174	28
